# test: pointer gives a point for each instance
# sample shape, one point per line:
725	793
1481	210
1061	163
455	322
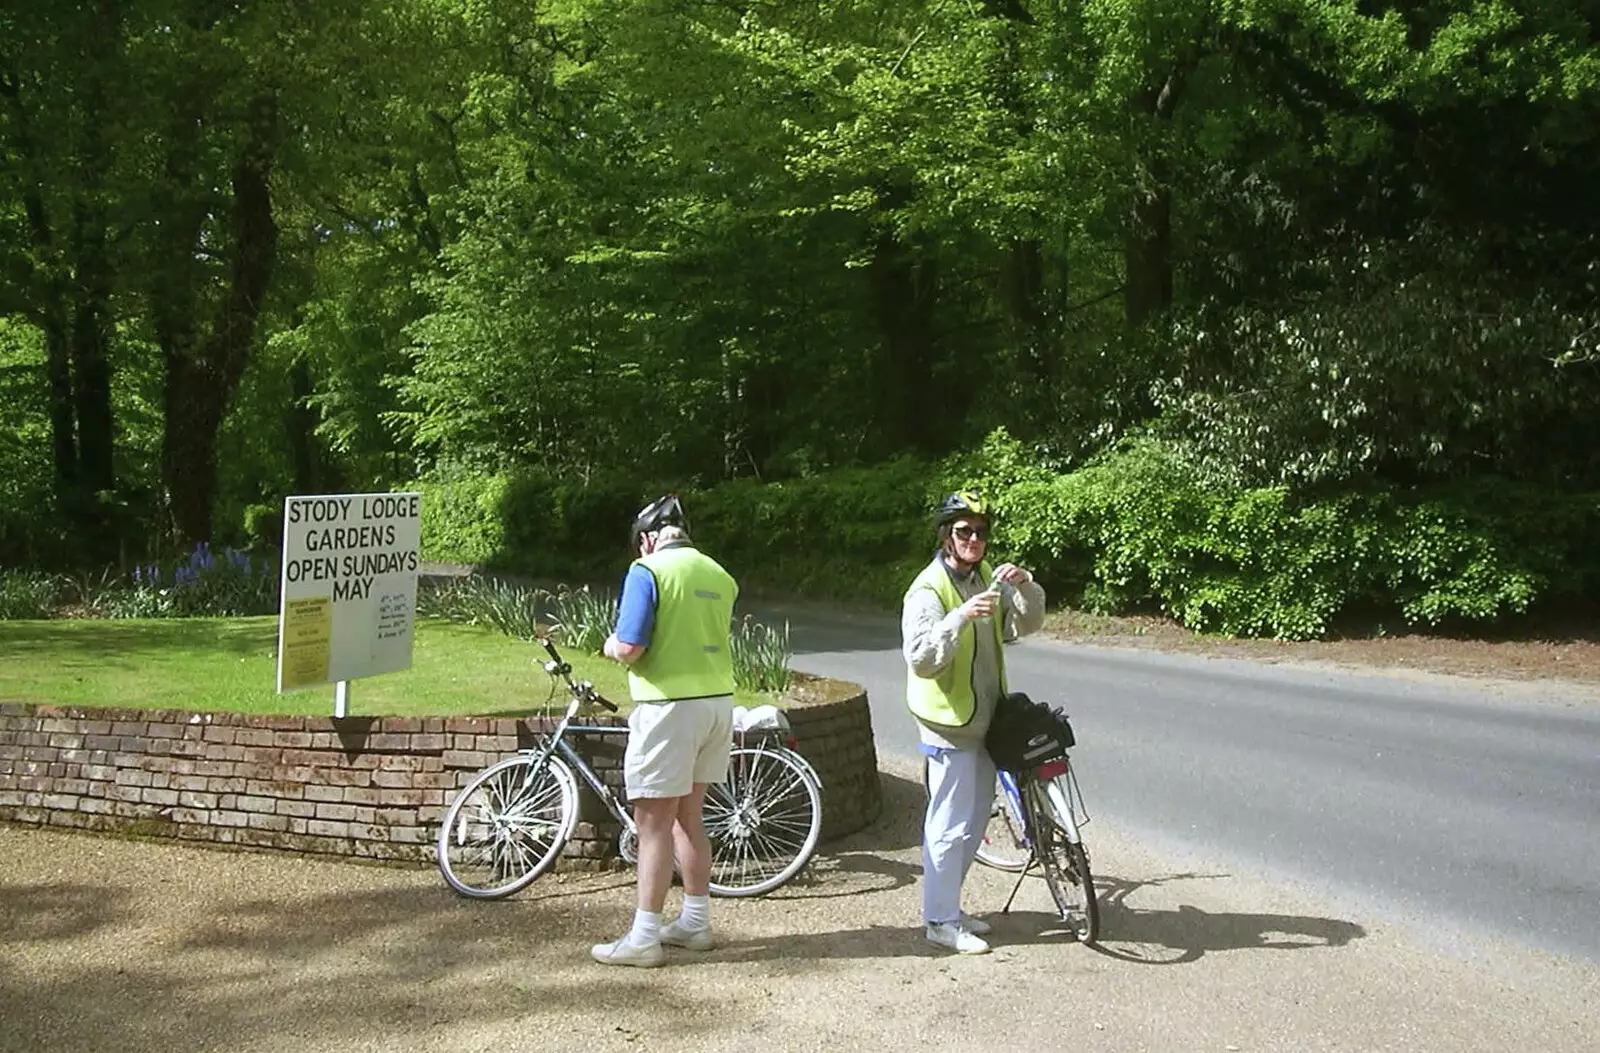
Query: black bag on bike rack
1025	734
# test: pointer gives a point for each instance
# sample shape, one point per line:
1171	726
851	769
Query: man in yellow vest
673	624
956	615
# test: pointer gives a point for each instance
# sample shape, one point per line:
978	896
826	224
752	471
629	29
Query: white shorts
673	745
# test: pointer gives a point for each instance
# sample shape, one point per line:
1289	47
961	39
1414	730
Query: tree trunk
1147	247
91	360
1147	237
93	269
47	296
200	383
901	304
302	430
1025	298
903	284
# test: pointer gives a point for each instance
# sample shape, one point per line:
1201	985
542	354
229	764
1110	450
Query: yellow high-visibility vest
688	655
949	698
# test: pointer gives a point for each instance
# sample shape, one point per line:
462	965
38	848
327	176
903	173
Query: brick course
371	787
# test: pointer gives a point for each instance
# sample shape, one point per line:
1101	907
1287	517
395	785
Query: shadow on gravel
1186	934
899	824
854	865
356	969
57	912
857	873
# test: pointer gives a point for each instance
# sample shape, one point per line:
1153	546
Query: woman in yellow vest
956	615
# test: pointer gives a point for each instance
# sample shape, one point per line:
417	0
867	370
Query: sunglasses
967	533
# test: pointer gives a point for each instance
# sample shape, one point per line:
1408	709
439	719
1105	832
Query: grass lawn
230	665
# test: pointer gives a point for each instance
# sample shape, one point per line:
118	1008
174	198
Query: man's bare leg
692	843
655	817
692	927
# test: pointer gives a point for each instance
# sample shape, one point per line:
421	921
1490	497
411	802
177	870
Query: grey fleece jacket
929	633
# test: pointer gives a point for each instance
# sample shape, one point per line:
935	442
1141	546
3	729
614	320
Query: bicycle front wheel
507	826
1065	863
763	821
1005	841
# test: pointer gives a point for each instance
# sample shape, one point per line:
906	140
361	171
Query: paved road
1454	807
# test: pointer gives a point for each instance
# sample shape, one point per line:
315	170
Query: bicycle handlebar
564	670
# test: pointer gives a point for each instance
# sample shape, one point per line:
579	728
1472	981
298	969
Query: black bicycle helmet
959	504
663	511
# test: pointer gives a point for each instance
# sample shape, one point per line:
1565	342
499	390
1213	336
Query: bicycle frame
1012	802
1055	799
1059	783
556	742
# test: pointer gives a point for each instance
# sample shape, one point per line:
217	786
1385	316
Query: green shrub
572	528
528	524
28	594
263	526
1139	526
461	517
859	534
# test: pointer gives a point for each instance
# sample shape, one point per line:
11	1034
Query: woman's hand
1011	574
981	606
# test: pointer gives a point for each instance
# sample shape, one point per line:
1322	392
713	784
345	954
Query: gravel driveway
152	948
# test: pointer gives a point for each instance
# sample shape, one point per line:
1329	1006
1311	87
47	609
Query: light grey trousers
960	794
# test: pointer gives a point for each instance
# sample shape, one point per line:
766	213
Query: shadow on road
1187	933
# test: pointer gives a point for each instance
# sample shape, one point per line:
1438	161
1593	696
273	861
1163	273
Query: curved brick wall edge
369	787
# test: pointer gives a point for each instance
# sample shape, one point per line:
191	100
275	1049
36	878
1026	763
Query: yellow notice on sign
307	641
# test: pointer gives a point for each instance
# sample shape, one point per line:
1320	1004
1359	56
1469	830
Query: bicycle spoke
763	819
507	826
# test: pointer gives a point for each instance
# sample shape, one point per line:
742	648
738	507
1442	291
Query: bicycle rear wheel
1065	863
1005	840
507	826
763	821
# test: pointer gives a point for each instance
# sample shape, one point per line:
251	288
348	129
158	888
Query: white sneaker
622	952
976	926
950	934
675	935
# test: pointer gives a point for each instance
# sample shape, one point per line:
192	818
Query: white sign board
349	587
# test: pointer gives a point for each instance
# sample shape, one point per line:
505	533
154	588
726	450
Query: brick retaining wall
372	787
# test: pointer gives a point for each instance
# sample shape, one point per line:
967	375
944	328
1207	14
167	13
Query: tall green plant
761	656
581	617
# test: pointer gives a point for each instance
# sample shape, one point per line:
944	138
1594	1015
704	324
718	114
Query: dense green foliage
1140	528
1143	528
1322	274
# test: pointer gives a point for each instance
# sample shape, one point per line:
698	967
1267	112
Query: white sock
646	928
696	913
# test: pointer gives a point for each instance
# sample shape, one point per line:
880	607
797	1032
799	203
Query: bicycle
1036	822
509	823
